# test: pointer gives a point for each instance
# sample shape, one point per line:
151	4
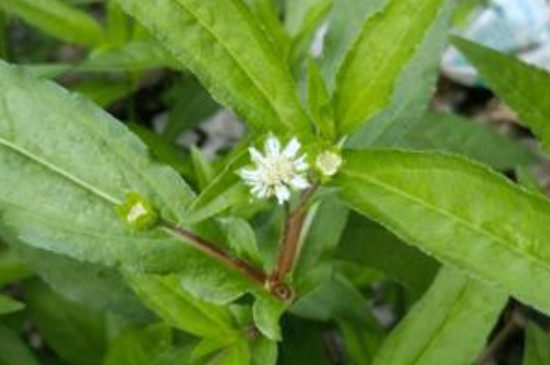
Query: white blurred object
517	27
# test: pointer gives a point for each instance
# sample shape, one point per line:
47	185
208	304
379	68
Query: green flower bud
137	212
328	163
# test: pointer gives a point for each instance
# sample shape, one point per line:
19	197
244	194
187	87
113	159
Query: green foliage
74	202
135	240
459	212
372	67
166	296
242	71
365	242
448	325
59	19
77	333
522	86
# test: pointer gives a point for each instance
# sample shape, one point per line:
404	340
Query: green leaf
263	352
452	133
213	283
523	87
267	312
449	325
241	239
236	354
366	243
318	99
360	341
413	91
204	171
225	191
268	12
131	57
58	19
303	21
537	346
299	14
369	74
9	305
118	24
166	296
345	23
460	212
139	346
103	92
328	222
13	350
223	45
86	162
91	285
77	333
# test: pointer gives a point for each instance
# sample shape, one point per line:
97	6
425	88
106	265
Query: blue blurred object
517	27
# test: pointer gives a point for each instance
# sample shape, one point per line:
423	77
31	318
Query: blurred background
93	48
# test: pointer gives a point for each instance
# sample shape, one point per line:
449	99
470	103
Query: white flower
328	163
277	172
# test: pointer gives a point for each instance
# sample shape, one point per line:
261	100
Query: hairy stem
290	240
234	263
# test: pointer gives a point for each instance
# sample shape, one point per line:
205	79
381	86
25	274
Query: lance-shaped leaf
388	41
222	44
65	164
523	87
458	211
166	296
449	325
57	18
345	21
413	90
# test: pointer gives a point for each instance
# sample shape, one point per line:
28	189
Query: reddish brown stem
290	241
234	263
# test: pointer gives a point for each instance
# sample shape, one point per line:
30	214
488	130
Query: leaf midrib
58	170
534	259
457	304
245	71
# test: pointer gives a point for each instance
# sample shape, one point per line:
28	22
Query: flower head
277	172
328	162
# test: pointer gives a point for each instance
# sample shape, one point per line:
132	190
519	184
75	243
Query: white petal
300	164
282	193
249	174
299	182
272	146
256	156
291	148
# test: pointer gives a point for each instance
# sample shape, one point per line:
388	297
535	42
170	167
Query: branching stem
290	239
212	250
